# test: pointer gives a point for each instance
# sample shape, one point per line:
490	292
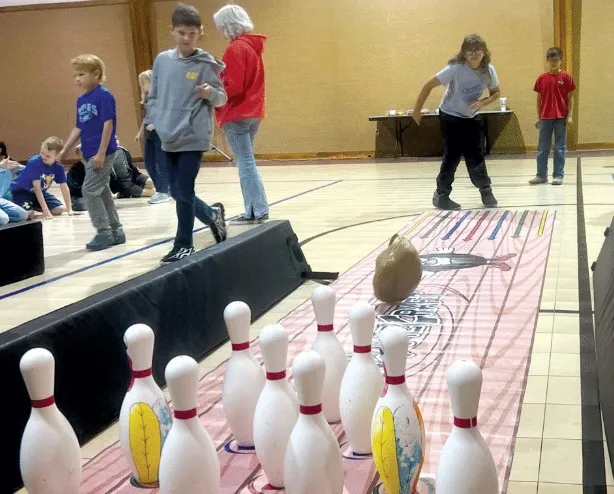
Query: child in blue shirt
96	126
30	188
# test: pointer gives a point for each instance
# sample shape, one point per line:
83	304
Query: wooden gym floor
342	211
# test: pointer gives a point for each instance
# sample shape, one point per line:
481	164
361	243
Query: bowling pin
466	465
144	417
243	379
330	349
362	382
277	408
313	460
189	462
50	456
397	431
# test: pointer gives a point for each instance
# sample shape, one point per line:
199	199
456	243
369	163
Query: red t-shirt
554	89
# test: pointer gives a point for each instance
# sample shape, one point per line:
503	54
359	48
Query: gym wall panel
38	95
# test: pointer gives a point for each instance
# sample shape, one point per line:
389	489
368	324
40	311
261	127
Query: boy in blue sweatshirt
185	87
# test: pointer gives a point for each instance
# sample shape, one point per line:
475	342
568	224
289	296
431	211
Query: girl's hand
570	120
477	105
74	213
417	116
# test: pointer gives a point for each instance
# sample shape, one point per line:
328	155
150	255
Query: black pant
461	137
183	167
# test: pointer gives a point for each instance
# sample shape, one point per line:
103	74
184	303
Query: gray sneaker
119	237
557	181
536	180
158	198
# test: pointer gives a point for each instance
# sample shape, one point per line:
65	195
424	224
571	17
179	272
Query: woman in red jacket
240	118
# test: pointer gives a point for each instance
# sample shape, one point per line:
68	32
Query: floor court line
147	247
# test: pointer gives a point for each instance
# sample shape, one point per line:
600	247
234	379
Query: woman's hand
476	106
417	116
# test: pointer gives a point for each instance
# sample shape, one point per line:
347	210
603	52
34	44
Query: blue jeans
11	212
240	135
155	163
182	169
557	126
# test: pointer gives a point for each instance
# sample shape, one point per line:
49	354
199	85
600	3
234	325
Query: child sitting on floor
29	189
126	179
9	211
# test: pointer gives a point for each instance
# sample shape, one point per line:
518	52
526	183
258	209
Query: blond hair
53	143
91	64
144	76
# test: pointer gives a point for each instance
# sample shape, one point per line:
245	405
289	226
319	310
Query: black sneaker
218	225
443	201
488	199
177	254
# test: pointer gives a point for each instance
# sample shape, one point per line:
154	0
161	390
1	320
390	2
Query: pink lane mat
479	299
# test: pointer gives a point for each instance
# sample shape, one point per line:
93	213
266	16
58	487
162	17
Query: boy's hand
537	123
47	214
98	161
60	155
204	91
570	120
74	213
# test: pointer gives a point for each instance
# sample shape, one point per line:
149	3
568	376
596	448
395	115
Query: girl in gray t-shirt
467	75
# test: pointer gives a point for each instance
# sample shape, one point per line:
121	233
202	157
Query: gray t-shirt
465	86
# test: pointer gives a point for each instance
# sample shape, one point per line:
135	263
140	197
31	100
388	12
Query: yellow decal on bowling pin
383	442
145	442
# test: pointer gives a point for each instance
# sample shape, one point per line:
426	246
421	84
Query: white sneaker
557	181
158	198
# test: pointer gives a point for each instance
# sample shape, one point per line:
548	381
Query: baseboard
587	146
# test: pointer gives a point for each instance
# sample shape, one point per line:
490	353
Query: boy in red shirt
554	111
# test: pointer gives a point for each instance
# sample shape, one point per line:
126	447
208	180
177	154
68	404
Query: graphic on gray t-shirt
465	86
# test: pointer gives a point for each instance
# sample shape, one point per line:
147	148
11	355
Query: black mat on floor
603	288
183	303
21	251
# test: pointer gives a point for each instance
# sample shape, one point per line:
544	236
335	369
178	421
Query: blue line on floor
141	249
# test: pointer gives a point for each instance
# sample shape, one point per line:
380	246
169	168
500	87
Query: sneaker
158	198
100	242
488	199
557	181
443	201
248	220
536	180
119	237
218	225
177	254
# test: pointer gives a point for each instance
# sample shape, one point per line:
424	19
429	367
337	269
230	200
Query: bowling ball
398	270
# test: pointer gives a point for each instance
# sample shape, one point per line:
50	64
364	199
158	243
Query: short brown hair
53	143
186	15
91	64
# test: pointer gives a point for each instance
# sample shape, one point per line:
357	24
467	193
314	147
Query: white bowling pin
277	408
313	460
466	465
144	418
50	456
330	349
362	382
243	379
189	463
397	431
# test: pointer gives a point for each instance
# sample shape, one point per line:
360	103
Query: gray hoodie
183	121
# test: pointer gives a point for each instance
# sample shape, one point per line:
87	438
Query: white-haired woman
240	118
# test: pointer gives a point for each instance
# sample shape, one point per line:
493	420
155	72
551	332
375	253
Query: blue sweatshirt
183	121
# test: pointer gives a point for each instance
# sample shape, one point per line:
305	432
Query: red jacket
243	79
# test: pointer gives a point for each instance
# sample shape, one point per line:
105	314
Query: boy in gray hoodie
185	87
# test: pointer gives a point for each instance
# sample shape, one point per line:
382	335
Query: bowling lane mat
478	299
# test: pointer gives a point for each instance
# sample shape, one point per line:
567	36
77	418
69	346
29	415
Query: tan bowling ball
398	271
